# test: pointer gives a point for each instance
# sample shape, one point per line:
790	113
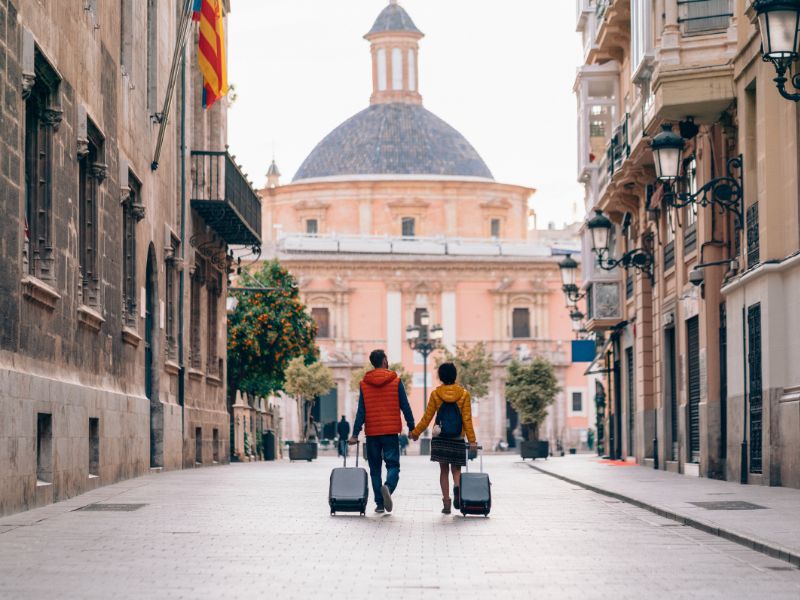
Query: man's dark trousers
380	449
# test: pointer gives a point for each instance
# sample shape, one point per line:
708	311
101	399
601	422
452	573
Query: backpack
449	420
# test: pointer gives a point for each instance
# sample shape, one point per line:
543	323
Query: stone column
671	36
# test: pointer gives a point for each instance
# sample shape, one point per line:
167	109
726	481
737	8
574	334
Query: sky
501	72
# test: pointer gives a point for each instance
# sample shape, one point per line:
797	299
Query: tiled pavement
263	531
774	526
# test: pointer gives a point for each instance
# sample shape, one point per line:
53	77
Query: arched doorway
151	360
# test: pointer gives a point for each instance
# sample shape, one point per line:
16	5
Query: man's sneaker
379	510
387	497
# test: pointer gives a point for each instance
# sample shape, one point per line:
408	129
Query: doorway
693	389
151	361
671	394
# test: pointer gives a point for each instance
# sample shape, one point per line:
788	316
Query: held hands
413	437
352	441
473	447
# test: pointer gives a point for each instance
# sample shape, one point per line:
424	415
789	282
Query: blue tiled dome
394	139
393	18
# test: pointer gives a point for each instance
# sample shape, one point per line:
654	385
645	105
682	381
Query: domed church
394	214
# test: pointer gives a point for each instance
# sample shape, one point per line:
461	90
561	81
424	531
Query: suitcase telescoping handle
347	450
480	454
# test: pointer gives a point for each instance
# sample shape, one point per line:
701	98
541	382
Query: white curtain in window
382	69
412	71
397	69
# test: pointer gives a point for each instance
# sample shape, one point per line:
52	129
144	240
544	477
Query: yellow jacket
449	393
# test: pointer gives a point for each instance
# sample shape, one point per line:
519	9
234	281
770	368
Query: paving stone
263	530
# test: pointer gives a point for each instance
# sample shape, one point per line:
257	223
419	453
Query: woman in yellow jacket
451	405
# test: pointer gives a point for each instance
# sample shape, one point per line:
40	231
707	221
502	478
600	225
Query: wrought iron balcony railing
224	198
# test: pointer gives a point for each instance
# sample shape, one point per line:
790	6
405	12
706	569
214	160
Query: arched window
397	69
412	71
381	69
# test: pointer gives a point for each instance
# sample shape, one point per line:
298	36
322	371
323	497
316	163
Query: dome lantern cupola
395	49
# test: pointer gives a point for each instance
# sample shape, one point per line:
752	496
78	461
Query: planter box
303	451
534	450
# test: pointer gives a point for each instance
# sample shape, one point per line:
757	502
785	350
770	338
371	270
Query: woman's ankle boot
456	498
446	509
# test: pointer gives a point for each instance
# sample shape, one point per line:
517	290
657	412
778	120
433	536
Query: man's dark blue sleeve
405	406
359	415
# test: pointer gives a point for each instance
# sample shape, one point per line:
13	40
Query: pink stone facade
370	250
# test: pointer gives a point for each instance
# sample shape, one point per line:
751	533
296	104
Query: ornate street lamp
569	275
725	192
425	339
779	22
640	259
577	317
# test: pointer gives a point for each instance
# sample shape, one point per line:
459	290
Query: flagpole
177	57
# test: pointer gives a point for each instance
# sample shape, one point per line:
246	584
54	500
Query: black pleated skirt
449	451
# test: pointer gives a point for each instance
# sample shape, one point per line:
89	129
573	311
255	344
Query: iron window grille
704	16
132	213
756	389
43	116
91	174
669	255
628	285
753	242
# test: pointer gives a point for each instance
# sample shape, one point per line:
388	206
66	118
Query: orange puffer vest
381	403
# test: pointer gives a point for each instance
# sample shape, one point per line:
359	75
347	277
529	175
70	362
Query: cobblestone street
263	530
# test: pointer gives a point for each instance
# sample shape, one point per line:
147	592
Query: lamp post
425	339
726	192
640	259
569	275
778	23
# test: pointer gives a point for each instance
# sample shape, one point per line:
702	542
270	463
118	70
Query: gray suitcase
475	491
348	490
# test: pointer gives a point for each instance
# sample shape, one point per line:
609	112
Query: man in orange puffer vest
380	403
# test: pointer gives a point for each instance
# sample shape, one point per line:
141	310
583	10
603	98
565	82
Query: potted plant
531	387
306	382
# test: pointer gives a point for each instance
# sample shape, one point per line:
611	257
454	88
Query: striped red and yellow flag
211	50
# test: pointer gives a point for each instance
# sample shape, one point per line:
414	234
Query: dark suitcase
475	491
348	490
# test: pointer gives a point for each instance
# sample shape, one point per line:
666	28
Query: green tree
266	330
306	382
474	365
358	375
531	388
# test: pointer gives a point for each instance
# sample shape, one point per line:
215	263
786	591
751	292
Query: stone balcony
454	248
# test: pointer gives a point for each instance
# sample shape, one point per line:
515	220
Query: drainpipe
181	274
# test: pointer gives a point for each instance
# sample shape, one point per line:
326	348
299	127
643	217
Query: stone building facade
95	386
393	214
675	358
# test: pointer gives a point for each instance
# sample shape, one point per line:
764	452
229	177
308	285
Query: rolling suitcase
348	490
475	490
